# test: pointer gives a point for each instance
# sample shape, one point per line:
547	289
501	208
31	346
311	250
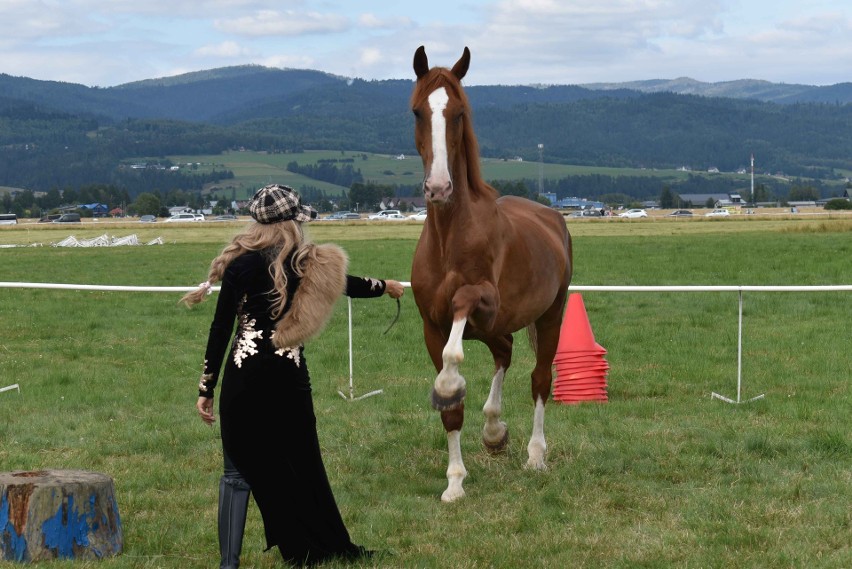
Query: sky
513	42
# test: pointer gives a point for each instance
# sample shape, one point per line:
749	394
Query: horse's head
441	113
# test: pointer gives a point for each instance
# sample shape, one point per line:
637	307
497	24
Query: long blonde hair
281	238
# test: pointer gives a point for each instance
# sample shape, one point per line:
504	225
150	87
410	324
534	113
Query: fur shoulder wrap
323	282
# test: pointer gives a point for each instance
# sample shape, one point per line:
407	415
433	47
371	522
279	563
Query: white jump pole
351	382
10	388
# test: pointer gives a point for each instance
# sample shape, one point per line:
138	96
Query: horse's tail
532	337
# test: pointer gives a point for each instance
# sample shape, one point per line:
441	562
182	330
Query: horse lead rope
395	318
398	309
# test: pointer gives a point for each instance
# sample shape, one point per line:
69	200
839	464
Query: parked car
634	213
68	218
585	213
384	214
342	215
419	216
717	213
681	213
50	218
225	217
148	219
186	217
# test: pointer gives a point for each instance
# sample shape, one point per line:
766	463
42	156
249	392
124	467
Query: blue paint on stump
67	527
14	545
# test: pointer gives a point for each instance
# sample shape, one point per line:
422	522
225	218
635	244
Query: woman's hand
394	289
205	409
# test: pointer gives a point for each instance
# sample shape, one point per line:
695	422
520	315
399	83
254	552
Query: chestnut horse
485	266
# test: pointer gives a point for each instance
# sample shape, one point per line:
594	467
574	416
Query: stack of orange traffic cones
580	364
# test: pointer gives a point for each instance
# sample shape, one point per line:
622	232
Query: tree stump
58	514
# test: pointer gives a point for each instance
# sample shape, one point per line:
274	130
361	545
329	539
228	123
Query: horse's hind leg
495	433
547	340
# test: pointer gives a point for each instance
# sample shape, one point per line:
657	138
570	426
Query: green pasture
254	169
661	475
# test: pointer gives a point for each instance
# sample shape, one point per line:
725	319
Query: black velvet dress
267	416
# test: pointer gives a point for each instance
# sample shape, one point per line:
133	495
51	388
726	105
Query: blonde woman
280	290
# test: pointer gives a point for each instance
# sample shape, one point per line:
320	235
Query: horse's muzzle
437	192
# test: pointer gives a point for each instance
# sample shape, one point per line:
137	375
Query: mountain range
222	95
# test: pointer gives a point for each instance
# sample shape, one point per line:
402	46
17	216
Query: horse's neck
463	219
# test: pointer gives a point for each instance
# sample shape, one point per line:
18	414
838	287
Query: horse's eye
416	114
459	118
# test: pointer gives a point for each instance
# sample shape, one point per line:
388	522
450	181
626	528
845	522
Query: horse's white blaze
456	471
449	380
494	429
537	447
439	173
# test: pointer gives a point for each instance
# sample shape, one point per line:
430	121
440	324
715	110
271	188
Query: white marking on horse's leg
456	471
537	447
449	382
494	430
438	175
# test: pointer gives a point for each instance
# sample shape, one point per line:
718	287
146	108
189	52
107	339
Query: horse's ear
461	66
421	62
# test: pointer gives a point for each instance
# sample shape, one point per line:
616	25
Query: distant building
97	209
719	200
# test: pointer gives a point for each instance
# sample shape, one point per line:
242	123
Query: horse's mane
443	77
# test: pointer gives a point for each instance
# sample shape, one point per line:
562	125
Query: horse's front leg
452	419
477	304
450	387
456	472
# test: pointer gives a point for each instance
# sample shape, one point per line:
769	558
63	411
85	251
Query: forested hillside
58	135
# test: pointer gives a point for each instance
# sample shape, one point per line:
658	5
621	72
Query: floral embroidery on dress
245	345
375	284
205	379
292	352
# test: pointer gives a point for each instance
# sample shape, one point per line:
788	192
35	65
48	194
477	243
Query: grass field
660	476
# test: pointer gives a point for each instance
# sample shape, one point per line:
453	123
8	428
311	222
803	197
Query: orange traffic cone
575	335
580	365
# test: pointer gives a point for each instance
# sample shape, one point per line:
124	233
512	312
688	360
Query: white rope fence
739	289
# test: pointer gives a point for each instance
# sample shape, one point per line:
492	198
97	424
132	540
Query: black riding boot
233	504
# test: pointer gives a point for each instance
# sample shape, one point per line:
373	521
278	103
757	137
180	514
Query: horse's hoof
538	465
454	401
452	494
496	447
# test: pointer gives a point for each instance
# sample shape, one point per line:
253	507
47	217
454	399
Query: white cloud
287	23
225	49
370	56
371	21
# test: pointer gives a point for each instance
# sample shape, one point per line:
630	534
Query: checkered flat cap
275	202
